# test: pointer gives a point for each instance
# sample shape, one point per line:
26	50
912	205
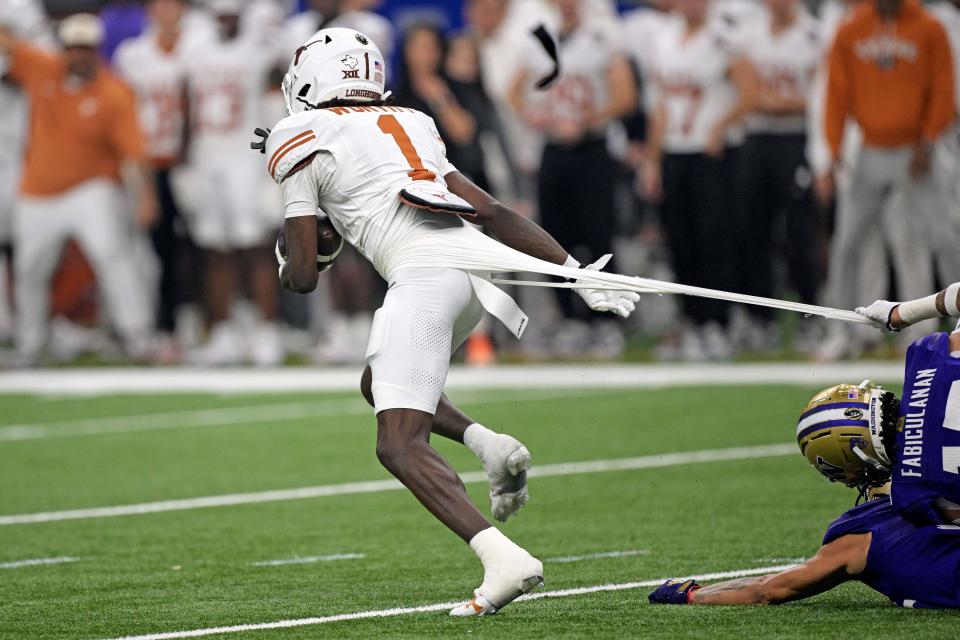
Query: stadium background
788	257
142	499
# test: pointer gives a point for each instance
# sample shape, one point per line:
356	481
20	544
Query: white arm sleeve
301	191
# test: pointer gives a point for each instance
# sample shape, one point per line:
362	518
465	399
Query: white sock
476	437
491	545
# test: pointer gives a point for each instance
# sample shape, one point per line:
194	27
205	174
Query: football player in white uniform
774	181
704	88
576	183
381	175
154	64
227	80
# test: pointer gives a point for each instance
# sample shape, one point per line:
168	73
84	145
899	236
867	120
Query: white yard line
377	486
35	562
62	382
244	415
309	559
599	556
440	606
251	414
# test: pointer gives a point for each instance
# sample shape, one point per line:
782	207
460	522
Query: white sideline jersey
582	89
693	85
158	77
786	63
364	157
227	83
642	28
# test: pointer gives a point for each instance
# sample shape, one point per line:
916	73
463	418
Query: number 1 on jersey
392	127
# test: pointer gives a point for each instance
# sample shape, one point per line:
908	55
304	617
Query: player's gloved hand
261	144
878	314
674	592
621	303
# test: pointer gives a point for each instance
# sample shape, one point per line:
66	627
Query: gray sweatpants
93	214
882	208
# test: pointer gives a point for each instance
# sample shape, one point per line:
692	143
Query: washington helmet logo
853	413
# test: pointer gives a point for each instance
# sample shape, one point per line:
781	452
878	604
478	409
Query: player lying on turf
381	175
905	545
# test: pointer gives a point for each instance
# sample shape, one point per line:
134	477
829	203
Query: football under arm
300	202
300	274
507	225
837	562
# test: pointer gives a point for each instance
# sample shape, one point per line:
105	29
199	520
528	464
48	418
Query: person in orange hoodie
891	71
83	129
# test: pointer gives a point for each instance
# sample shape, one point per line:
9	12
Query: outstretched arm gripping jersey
928	444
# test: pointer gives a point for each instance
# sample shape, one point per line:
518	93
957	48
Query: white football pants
94	214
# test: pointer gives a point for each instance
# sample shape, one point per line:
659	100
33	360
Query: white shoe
839	344
222	349
266	345
692	348
506	462
512	576
716	345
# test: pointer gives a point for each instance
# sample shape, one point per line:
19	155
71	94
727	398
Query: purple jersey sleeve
914	566
928	444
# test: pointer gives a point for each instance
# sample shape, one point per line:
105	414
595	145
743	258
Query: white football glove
878	313
620	302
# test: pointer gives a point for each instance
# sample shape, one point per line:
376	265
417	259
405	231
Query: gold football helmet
848	433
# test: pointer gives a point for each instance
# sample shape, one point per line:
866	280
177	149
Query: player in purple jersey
927	471
905	545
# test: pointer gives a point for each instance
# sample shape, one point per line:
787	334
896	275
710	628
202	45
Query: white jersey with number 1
364	157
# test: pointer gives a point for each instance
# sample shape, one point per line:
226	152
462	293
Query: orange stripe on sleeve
286	147
290	148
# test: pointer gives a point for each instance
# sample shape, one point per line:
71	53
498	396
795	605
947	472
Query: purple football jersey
916	566
928	446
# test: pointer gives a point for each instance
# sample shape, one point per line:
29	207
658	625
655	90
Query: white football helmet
334	64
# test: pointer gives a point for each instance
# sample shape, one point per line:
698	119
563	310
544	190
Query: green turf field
195	568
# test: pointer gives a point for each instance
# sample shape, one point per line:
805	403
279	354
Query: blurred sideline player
947	154
227	80
155	65
889	48
576	180
25	19
381	174
774	180
83	128
704	89
905	545
353	287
